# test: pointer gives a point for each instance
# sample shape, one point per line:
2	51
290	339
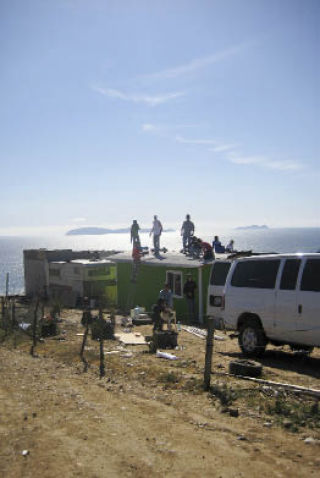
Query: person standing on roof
187	231
134	232
156	231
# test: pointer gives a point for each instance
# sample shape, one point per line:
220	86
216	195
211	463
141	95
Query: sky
115	110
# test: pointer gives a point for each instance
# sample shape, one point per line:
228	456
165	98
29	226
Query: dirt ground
150	416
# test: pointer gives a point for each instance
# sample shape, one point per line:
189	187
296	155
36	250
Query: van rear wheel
252	339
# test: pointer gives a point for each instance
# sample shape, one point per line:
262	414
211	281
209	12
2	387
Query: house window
174	279
99	271
54	272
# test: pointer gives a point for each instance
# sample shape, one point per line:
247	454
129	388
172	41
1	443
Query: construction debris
131	338
201	333
287	386
166	355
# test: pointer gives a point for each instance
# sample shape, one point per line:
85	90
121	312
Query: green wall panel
150	281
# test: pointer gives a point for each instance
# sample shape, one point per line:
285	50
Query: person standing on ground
135	239
187	231
157	309
189	293
156	231
166	295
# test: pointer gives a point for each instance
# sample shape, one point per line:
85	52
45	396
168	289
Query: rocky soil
150	416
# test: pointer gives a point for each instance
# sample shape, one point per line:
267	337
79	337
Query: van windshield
219	273
256	274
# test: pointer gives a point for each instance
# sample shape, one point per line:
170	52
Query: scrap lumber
287	386
200	333
131	338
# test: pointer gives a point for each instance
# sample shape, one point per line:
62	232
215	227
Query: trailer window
256	274
219	273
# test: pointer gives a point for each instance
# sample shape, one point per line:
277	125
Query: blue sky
114	110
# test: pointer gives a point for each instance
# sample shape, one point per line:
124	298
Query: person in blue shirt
217	246
166	295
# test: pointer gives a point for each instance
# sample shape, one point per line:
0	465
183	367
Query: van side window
219	273
256	274
311	276
290	274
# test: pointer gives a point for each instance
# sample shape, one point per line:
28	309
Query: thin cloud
195	64
236	158
150	100
166	128
284	165
181	139
149	127
222	148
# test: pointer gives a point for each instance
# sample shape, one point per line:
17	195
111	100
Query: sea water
266	240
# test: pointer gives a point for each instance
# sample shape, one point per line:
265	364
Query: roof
168	259
84	262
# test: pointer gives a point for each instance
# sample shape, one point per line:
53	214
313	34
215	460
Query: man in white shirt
156	231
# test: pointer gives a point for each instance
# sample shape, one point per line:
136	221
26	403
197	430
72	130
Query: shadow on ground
290	361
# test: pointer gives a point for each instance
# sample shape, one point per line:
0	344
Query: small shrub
225	394
294	414
169	378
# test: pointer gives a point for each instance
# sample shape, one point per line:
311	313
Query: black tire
252	339
305	349
247	368
152	347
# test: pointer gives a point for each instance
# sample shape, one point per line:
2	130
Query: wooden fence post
34	328
84	341
209	350
7	284
102	369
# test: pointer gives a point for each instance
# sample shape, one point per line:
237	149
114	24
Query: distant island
96	231
253	227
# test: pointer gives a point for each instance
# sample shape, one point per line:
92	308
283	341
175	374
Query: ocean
269	240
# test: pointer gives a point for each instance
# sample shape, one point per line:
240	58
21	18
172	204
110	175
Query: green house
153	272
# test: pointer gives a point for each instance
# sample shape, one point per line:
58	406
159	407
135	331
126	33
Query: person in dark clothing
156	314
134	233
195	247
187	231
207	251
189	292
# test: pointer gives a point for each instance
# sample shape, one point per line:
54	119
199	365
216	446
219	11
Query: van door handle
299	308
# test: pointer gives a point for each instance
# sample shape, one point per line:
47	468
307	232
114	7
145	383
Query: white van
218	277
271	298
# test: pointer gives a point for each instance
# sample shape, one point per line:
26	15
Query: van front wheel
252	339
